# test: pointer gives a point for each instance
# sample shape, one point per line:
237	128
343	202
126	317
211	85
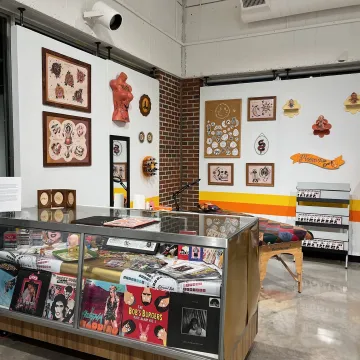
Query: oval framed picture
142	137
145	105
149	137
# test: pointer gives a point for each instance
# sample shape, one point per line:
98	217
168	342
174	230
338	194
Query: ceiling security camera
104	15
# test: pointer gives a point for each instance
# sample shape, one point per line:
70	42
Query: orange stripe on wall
355	216
255	208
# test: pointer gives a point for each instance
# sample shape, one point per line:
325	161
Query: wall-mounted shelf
329	220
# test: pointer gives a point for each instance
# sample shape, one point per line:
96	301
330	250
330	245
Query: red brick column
190	97
169	111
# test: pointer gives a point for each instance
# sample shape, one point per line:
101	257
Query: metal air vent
246	4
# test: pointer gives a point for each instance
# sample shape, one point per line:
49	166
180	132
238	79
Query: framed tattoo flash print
262	108
66	140
221	174
66	82
260	174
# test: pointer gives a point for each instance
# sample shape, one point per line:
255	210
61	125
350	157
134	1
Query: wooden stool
294	248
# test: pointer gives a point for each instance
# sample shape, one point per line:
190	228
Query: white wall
218	42
151	29
91	183
317	96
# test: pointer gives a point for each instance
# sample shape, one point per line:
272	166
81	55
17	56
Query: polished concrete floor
322	323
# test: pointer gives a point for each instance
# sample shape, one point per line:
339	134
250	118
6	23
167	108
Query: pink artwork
122	96
321	127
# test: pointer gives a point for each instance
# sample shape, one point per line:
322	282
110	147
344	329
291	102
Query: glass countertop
185	227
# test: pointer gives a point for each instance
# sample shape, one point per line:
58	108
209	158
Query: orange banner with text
318	161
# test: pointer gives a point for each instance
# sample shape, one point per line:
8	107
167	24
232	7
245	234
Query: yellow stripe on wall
280	205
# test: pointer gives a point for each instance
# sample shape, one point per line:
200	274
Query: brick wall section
190	139
178	98
169	112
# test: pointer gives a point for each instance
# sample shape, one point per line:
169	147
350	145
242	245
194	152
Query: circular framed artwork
145	105
142	137
70	199
58	198
44	199
149	137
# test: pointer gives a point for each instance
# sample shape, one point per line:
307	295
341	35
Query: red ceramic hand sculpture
122	97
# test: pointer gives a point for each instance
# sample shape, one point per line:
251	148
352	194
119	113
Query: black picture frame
127	140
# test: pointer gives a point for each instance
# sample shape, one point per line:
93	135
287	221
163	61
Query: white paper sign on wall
261	144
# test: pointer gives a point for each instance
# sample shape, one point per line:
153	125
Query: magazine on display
145	315
186	270
101	307
30	292
194	322
214	256
60	301
8	275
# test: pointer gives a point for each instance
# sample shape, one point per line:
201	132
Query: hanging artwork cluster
66	84
222	129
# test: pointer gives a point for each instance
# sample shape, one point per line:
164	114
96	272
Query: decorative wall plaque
352	103
66	82
222	129
56	198
141	137
321	127
261	144
291	108
149	166
145	105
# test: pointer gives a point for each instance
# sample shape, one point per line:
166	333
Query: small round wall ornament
149	137
141	136
145	105
261	144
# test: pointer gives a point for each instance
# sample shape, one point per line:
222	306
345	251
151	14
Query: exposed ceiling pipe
288	73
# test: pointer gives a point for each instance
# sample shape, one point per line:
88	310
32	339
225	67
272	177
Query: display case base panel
109	350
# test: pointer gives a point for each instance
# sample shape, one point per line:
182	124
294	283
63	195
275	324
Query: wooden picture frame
123	169
61	142
261	176
66	82
258	115
220	168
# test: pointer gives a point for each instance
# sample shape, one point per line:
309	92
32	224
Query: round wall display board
149	137
145	105
141	136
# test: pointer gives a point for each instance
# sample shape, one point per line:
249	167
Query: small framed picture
194	322
120	171
221	174
260	174
262	108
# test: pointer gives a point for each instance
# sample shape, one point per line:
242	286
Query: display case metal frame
251	225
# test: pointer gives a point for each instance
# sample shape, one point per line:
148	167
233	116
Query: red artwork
322	127
122	97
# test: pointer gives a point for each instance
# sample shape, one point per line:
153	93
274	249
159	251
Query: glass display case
178	285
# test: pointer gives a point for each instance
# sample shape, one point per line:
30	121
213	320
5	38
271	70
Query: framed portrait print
262	108
120	171
66	140
221	174
66	82
260	174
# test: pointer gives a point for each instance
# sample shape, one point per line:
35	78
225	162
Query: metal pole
21	15
109	52
98	48
79	281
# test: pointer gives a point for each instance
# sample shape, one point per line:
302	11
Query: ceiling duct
259	10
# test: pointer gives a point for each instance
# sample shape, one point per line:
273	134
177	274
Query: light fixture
105	15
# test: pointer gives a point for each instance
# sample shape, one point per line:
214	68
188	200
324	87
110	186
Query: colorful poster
8	275
30	292
101	306
60	301
145	315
